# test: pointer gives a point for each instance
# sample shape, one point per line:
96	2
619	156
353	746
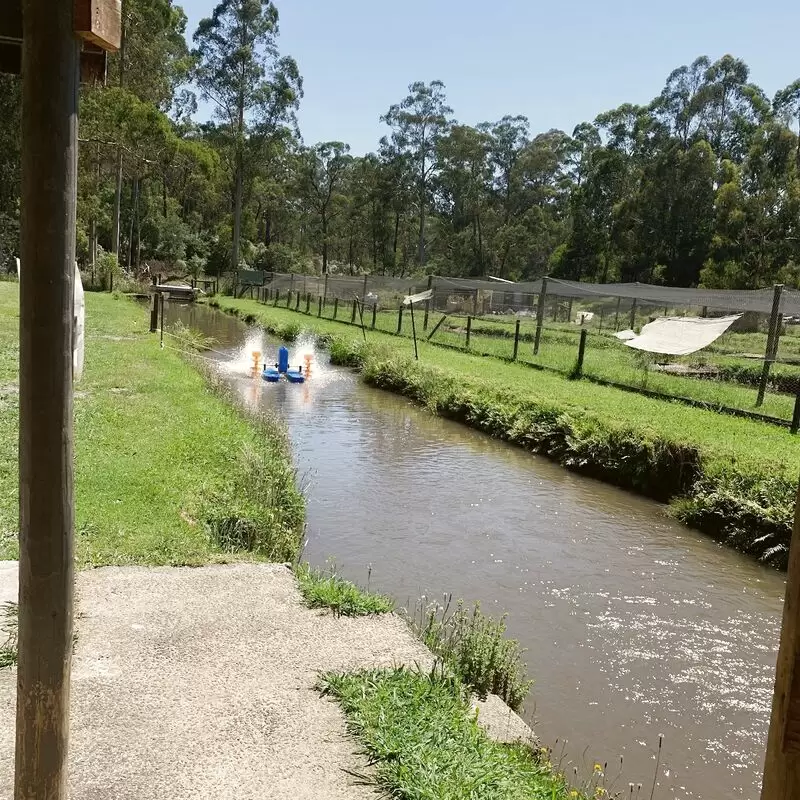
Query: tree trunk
118	191
237	212
134	208
394	241
421	251
267	229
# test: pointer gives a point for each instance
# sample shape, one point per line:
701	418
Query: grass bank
732	478
425	742
167	471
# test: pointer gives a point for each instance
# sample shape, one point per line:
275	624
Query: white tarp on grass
680	336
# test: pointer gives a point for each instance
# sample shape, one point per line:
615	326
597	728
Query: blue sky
557	63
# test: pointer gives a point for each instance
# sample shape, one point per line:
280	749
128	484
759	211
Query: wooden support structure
469	331
581	353
335	307
540	316
42	44
516	340
374	314
427	305
400	321
772	342
782	764
414	332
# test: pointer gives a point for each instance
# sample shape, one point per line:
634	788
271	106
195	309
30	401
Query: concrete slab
197	684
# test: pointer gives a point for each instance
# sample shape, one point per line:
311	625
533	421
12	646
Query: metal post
540	317
427	305
335	307
374	314
782	765
772	338
796	414
400	320
633	314
49	138
581	353
469	330
516	340
616	316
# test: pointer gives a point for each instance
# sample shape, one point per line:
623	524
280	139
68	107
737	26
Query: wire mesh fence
752	370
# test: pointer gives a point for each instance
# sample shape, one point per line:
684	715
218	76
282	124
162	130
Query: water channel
634	625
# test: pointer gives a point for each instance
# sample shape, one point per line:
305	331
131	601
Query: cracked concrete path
197	684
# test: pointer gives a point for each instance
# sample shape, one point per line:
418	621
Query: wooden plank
93	61
782	764
99	22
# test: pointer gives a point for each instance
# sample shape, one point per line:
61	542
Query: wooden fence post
374	314
275	298
469	331
49	161
516	340
581	353
633	314
308	302
540	316
772	342
616	316
796	414
319	306
353	313
400	321
297	302
782	763
427	305
335	307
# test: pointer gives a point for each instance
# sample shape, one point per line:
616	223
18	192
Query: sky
557	63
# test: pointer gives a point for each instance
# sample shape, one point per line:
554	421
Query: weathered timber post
335	307
374	314
308	303
516	340
796	414
400	321
540	316
616	316
319	306
353	312
427	305
772	342
469	331
49	140
782	763
633	314
581	353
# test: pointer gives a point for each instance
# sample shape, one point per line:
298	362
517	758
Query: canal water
634	626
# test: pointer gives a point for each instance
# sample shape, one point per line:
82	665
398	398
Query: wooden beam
46	497
99	22
93	61
782	764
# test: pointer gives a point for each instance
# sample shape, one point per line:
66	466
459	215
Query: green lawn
162	462
722	438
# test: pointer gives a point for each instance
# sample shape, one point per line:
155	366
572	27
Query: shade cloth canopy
680	336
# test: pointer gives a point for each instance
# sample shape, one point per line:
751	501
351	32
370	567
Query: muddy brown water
634	625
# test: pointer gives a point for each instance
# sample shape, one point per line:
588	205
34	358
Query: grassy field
733	478
607	359
166	470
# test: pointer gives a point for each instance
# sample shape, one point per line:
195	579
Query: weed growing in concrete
9	626
325	589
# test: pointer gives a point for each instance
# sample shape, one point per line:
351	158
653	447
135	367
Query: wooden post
437	326
297	302
400	321
335	307
325	290
275	299
475	304
782	763
291	283
616	316
633	314
153	311
569	311
469	331
414	332
540	317
319	306
772	338
427	305
353	313
364	290
516	340
308	303
602	314
374	314
288	298
581	353
796	414
49	138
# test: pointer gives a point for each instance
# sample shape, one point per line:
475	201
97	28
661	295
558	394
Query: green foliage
325	589
474	646
107	267
9	627
426	743
190	338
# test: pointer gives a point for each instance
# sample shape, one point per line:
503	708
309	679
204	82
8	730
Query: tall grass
325	589
474	646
